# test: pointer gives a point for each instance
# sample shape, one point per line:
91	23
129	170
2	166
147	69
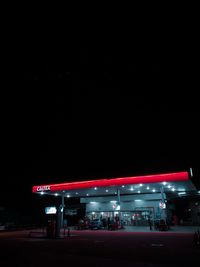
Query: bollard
68	232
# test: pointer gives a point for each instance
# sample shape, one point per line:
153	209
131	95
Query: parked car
2	227
10	226
96	224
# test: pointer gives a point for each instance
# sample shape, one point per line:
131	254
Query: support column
163	211
118	198
60	217
62	212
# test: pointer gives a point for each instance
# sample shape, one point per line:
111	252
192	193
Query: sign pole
118	196
163	213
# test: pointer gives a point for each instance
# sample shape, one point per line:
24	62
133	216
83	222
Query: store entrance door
137	217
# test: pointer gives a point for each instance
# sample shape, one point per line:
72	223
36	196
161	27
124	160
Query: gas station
128	200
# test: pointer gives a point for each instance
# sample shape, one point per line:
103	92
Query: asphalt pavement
99	248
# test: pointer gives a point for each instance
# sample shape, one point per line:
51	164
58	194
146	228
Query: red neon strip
156	178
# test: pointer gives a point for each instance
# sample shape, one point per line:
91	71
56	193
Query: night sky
95	113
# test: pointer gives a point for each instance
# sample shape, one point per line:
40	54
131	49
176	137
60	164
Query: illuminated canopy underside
143	184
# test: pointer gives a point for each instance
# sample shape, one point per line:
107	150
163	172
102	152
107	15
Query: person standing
108	223
150	224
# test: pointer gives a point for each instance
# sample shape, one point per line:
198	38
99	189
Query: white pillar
118	198
62	211
163	211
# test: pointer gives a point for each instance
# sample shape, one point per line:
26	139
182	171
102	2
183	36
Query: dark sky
90	113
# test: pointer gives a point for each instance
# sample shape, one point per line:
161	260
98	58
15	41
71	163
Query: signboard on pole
50	210
162	205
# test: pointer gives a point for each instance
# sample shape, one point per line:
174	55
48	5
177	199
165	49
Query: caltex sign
43	188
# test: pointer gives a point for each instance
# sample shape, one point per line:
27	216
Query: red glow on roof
156	178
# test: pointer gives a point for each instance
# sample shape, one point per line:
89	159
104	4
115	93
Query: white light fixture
131	189
93	212
56	194
141	184
123	186
95	188
153	190
113	201
106	190
182	193
169	186
137	200
173	189
115	193
92	202
68	196
198	192
87	195
191	172
41	193
138	192
148	188
181	189
76	193
164	183
101	213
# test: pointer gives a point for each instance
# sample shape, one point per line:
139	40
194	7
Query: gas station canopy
175	183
